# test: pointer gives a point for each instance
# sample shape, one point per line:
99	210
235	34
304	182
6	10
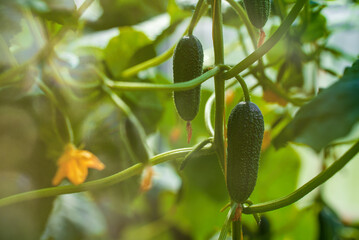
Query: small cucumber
258	11
187	65
245	134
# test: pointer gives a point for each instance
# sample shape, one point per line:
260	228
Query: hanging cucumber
187	65
258	12
245	134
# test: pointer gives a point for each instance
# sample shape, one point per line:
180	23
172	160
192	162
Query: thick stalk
237	230
217	32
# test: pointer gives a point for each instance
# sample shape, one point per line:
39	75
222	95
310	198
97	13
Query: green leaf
120	51
328	116
75	216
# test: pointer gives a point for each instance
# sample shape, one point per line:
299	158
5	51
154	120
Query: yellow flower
74	164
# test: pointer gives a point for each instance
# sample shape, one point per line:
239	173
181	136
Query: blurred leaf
127	12
58	11
335	108
316	28
120	50
211	181
293	75
75	216
278	52
198	214
176	12
301	225
230	18
285	181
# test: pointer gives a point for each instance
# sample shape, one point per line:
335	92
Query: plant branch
244	88
306	188
132	86
259	52
195	17
100	183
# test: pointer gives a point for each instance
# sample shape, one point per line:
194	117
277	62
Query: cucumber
245	135
134	139
258	11
187	65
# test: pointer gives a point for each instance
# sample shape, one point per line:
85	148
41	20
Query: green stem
132	71
100	183
244	88
131	86
217	33
209	104
195	17
195	150
259	52
237	230
306	188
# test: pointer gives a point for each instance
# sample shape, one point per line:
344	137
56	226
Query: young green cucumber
245	134
187	65
258	11
138	147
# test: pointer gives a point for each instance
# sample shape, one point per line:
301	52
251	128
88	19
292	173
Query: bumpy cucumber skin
258	11
245	135
187	64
